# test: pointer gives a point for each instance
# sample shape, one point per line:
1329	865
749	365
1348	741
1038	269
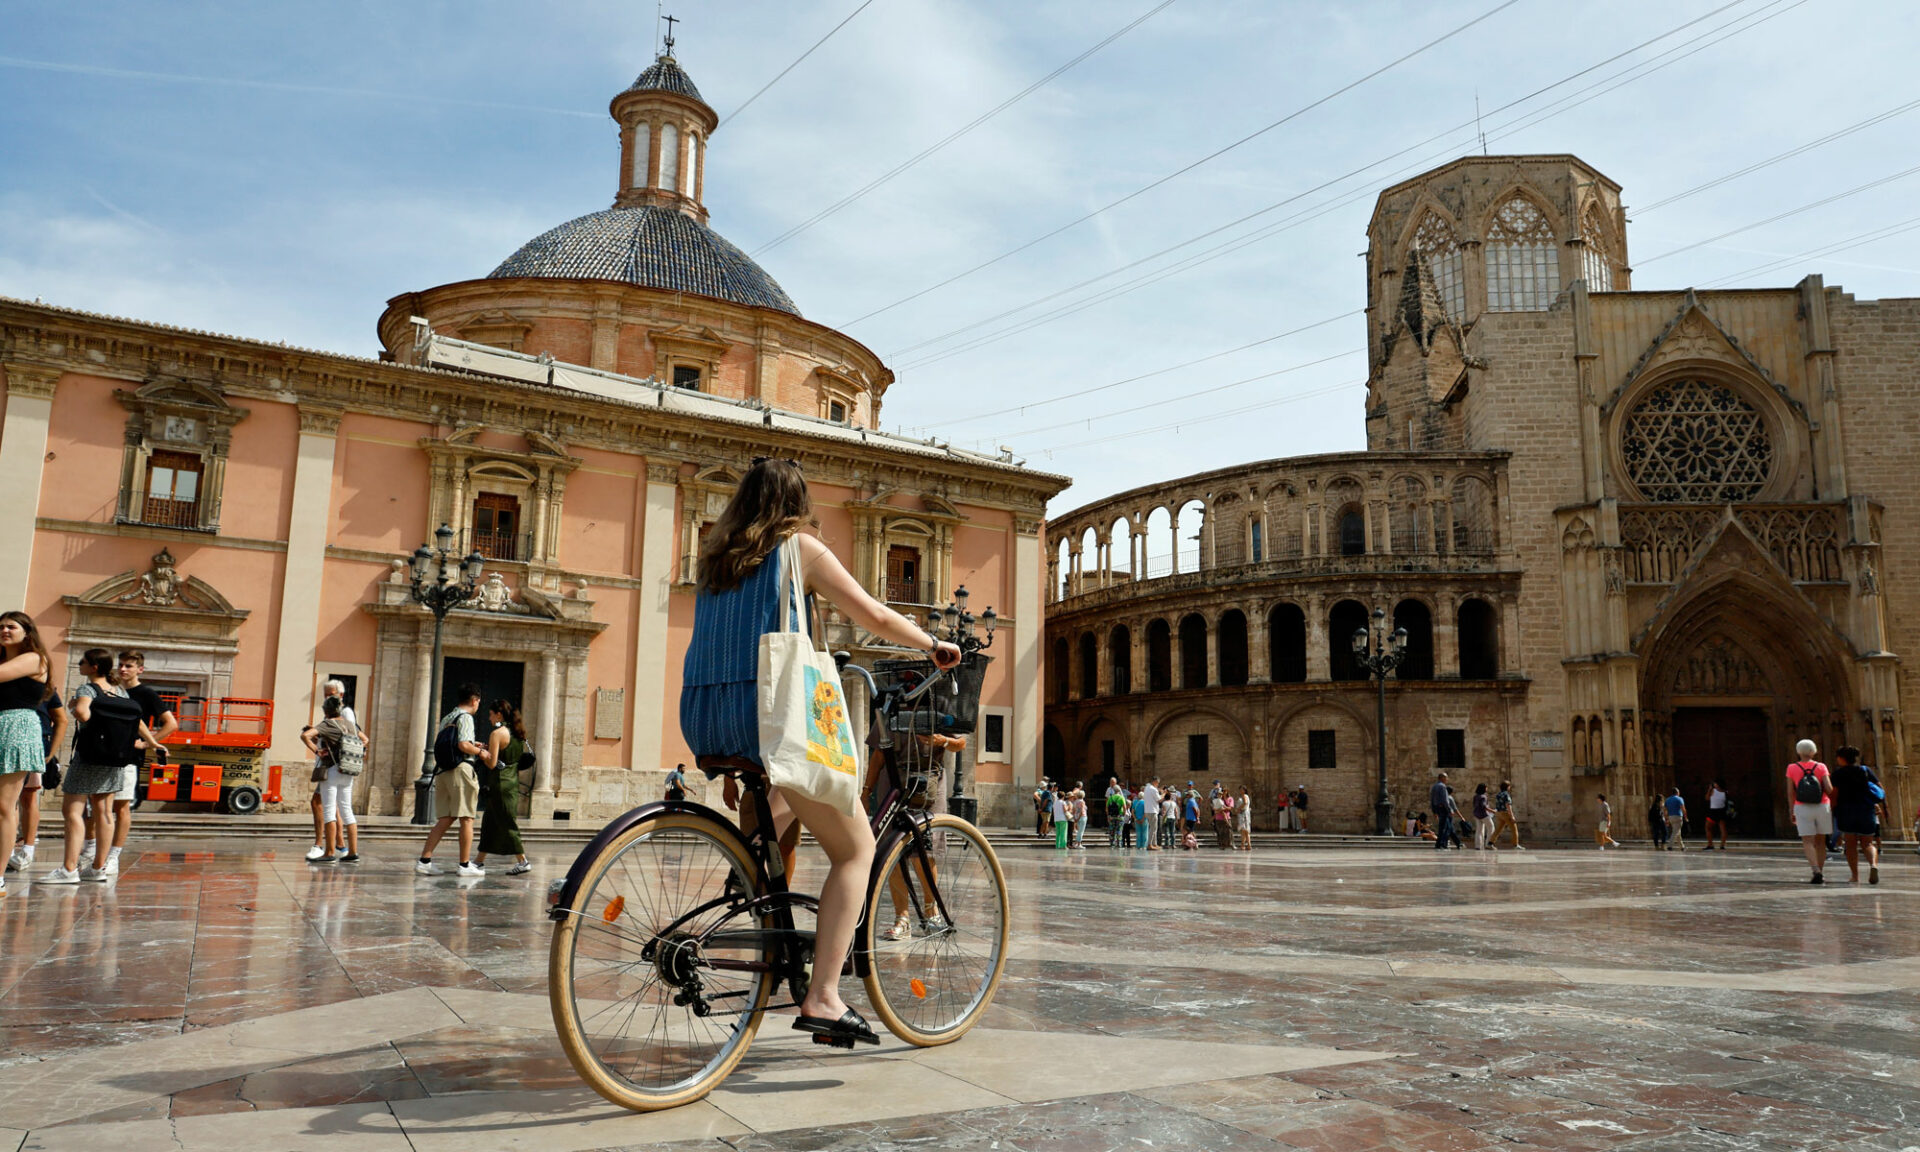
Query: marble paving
229	996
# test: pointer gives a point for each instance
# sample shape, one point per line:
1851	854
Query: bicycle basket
943	710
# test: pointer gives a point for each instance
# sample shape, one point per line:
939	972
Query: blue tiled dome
651	247
664	75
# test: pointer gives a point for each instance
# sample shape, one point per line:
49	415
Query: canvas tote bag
806	737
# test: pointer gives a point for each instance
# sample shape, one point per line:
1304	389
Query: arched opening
1438	249
1408	518
1092	564
1347	617
1287	644
1193	531
1156	550
1120	655
1104	756
1120	550
1523	258
1233	647
1472	517
1063	572
1479	632
1193	651
1415	617
1353	531
1061	669
1053	754
1089	666
1159	657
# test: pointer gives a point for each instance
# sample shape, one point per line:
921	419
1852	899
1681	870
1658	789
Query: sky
279	171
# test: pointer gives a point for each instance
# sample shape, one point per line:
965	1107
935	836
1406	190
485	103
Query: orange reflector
615	906
919	989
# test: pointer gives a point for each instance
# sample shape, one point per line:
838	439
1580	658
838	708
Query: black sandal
841	1033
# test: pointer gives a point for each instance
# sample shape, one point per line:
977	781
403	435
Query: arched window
1417	664
1409	520
1479	631
1193	651
1061	670
1523	260
694	153
1353	532
1063	571
1287	644
1089	666
1159	657
1347	617
1472	517
1120	549
642	152
1120	655
669	158
1596	260
1156	550
1191	520
1440	251
1233	647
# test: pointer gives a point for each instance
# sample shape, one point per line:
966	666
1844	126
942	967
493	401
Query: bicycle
674	929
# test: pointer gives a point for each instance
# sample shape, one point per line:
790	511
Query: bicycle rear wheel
645	1017
933	981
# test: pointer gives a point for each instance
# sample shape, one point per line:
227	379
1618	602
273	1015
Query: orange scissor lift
218	755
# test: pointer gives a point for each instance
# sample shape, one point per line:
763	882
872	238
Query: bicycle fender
562	900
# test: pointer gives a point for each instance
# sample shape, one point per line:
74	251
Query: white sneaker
520	868
93	875
22	856
113	866
424	867
60	876
471	870
316	852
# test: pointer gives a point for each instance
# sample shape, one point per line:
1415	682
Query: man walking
456	786
1602	830
1812	790
161	720
1676	822
1441	805
1152	795
1716	816
1503	819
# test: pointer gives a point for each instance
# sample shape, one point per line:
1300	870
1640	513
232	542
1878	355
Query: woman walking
24	671
737	601
1856	811
500	787
1243	819
112	736
327	740
1482	819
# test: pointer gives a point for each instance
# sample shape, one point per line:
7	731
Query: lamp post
956	625
1379	653
438	586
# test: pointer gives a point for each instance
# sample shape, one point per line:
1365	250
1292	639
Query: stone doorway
1731	745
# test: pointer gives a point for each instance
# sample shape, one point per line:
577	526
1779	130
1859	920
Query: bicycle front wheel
656	985
936	933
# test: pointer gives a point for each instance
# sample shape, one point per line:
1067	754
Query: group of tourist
1146	816
116	722
1493	815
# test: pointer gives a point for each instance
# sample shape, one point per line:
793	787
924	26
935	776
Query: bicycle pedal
833	1041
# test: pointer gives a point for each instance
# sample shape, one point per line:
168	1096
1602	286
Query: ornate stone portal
189	632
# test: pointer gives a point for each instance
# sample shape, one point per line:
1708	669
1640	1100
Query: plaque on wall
609	713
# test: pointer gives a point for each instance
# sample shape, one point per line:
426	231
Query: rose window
1696	442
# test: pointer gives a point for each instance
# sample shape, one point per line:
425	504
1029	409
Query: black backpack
1806	790
107	738
446	749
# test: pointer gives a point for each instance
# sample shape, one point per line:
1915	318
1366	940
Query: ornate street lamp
1378	654
955	624
438	586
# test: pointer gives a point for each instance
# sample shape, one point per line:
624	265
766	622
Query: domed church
243	512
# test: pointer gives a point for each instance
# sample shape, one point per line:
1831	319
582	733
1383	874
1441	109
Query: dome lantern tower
664	125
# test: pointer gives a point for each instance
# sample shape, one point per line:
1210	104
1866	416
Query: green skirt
499	808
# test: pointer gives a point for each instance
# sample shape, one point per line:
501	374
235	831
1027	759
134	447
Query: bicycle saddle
729	765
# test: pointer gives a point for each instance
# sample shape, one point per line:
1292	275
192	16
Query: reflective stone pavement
223	996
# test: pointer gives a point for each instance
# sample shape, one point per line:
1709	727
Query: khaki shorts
457	793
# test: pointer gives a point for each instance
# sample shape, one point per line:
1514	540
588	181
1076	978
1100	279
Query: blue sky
279	171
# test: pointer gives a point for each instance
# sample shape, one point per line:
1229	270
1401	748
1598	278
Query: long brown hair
770	505
510	717
34	645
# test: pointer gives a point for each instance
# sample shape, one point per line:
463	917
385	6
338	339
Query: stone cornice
106	346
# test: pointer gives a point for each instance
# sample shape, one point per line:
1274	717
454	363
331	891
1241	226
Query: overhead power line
796	62
1836	197
1834	248
1176	425
969	126
1178	172
1526	120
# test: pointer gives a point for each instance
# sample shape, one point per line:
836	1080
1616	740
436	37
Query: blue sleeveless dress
719	700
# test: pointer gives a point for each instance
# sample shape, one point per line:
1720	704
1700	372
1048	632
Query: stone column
1213	652
546	776
1137	663
1259	647
1319	668
301	577
1446	637
1027	638
23	460
650	618
1173	530
407	767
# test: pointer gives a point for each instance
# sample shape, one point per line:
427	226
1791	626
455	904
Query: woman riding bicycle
738	601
